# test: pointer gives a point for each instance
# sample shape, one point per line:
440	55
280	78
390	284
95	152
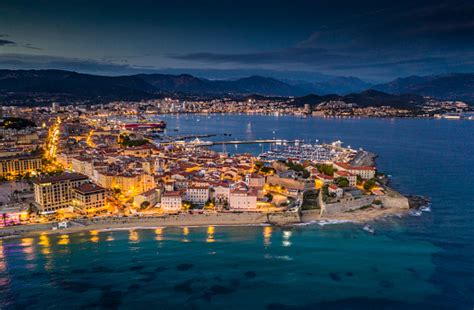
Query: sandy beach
211	219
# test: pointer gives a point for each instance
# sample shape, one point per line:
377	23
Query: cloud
6	42
290	55
32	47
403	39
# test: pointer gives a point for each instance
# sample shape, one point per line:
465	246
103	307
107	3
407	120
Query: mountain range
455	86
62	86
366	98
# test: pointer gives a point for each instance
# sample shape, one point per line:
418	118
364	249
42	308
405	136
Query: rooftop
89	188
20	156
172	194
60	178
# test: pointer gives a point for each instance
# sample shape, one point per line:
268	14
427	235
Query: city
78	167
251	154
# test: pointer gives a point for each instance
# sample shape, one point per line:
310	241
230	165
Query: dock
199	143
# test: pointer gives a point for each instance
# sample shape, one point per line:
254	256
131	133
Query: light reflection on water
159	234
267	235
334	263
210	234
185	235
317	258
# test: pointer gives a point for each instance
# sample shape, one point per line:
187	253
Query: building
89	197
152	197
241	198
347	175
221	193
56	192
197	195
335	190
171	201
365	172
255	180
83	165
19	165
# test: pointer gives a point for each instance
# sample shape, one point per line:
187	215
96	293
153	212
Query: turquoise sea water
422	262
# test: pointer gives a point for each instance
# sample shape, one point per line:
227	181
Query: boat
198	142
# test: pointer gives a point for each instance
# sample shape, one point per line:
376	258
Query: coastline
307	217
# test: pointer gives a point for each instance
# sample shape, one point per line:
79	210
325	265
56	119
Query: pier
277	141
198	143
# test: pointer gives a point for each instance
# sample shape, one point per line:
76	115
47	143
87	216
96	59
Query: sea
423	260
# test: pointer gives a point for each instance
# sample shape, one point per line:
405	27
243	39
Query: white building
197	195
242	198
335	190
365	172
171	201
221	194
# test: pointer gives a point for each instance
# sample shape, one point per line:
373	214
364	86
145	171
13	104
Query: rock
418	201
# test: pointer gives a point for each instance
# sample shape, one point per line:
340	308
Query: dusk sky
373	40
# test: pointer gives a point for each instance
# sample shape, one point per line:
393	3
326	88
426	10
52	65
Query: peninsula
86	171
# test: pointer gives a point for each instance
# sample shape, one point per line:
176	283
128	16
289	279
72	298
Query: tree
209	205
186	206
267	170
368	185
342	182
326	169
258	165
306	174
144	205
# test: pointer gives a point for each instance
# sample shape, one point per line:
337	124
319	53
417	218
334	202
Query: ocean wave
324	222
278	257
416	212
129	228
178	226
426	208
333	222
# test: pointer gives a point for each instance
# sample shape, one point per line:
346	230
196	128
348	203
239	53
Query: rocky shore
418	201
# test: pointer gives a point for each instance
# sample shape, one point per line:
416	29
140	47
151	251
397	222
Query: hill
338	85
185	83
368	98
72	85
456	86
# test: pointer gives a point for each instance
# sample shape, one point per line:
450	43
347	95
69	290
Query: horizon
376	42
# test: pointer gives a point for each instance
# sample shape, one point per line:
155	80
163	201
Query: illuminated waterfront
416	261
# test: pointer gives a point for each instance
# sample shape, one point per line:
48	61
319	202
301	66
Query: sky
373	40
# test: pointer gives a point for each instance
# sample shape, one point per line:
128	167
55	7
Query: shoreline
308	217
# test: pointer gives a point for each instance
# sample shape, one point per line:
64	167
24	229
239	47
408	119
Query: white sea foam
332	222
130	228
278	257
426	208
415	213
324	222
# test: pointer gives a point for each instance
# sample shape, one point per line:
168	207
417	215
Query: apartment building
89	197
56	192
19	164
